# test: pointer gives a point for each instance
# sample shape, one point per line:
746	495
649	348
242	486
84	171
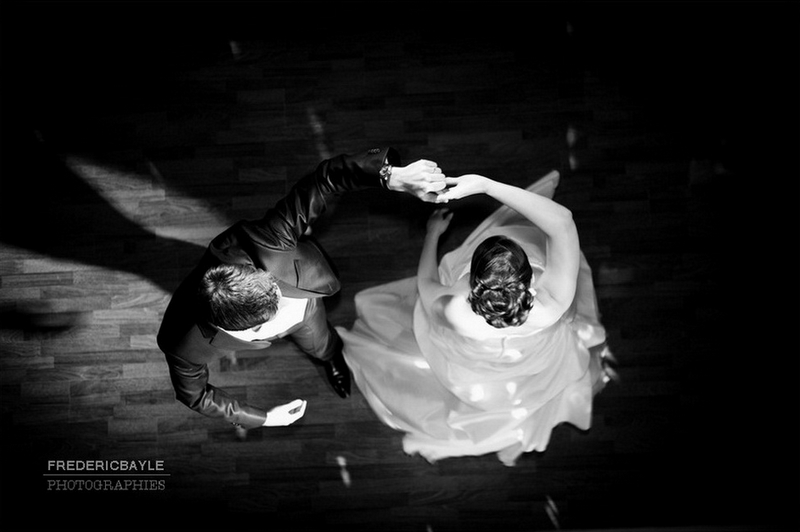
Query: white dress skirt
456	396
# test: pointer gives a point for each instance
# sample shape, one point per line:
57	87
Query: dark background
696	268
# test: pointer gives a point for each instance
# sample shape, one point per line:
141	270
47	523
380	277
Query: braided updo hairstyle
500	280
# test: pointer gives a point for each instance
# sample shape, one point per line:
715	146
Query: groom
262	280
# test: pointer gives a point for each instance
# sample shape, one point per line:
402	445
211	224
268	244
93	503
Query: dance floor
134	132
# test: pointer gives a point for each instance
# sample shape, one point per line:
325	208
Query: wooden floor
133	135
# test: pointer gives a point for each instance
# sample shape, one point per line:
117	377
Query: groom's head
236	297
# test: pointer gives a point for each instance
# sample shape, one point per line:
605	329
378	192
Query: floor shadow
48	209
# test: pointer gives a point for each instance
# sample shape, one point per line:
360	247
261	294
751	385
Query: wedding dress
455	396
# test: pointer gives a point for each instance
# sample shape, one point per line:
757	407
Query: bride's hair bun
500	280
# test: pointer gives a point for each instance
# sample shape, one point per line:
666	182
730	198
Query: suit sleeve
190	382
285	223
190	377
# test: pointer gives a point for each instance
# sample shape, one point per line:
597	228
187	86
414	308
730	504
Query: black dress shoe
608	361
338	375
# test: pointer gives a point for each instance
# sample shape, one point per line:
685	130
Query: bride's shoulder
546	310
461	318
459	315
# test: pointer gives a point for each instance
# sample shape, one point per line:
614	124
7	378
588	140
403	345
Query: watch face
386	173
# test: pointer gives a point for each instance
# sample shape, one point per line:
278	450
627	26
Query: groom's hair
500	279
236	297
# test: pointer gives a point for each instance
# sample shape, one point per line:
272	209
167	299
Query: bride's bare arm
428	282
563	246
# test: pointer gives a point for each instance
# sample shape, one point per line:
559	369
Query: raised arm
428	282
282	225
556	286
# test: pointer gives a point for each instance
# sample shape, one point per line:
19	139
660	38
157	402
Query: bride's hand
463	186
439	221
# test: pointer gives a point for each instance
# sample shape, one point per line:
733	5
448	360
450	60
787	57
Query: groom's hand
287	414
423	179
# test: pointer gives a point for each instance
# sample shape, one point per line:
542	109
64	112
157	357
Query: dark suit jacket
273	243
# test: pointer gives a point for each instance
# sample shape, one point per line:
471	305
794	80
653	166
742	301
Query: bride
492	348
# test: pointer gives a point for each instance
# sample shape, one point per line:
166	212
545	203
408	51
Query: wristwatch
385	173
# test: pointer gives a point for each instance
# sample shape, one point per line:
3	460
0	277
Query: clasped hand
423	179
461	187
456	188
